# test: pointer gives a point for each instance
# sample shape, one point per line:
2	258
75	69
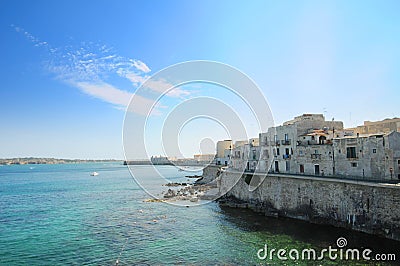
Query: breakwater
173	163
362	206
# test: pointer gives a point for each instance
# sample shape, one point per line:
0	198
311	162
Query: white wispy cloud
136	79
109	93
91	67
106	92
157	85
141	66
34	40
162	85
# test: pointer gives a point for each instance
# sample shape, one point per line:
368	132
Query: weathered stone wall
311	155
368	207
210	173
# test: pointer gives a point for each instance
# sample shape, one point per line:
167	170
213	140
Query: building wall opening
351	152
316	169
301	168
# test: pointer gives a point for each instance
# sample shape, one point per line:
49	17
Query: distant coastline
32	160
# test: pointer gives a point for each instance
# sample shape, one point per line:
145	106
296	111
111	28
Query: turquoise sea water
60	215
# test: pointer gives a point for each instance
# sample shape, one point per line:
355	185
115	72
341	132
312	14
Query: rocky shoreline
204	188
188	192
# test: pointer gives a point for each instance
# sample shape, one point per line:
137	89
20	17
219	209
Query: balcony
275	143
285	142
316	156
286	156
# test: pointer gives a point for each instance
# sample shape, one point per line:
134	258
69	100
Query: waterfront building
310	145
246	155
224	150
239	155
384	126
280	145
368	155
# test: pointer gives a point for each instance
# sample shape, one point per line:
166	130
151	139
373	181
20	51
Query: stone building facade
246	155
224	148
383	126
310	145
368	155
297	144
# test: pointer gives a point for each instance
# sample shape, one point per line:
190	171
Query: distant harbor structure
197	160
33	160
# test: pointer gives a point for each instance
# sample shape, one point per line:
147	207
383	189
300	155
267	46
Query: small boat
94	174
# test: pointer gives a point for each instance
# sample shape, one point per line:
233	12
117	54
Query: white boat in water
94	174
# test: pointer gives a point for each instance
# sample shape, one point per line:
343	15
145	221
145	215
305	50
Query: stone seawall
373	208
210	173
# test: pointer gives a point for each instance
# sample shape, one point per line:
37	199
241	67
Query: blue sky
67	67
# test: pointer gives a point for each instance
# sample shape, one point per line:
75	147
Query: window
286	137
373	150
300	152
287	151
287	166
351	152
398	161
353	164
312	138
277	151
277	166
316	169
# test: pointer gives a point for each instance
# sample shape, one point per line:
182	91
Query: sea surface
60	215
